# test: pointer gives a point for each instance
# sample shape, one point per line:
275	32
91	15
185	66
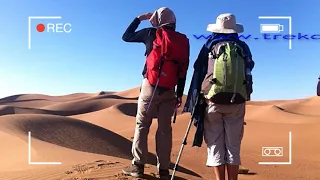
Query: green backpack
225	81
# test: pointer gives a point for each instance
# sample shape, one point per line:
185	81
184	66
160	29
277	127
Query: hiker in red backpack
166	66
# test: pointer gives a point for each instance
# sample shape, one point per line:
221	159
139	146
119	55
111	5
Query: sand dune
68	107
39	100
22	97
305	107
5	110
67	132
91	133
276	114
131	93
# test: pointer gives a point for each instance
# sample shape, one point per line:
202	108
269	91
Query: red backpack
169	58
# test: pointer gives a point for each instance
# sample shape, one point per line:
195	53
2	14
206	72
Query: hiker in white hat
224	66
225	27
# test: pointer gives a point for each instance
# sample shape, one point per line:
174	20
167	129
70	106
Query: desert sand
91	134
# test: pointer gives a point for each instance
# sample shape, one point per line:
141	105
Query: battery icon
271	28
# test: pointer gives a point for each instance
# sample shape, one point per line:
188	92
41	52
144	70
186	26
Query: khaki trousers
162	107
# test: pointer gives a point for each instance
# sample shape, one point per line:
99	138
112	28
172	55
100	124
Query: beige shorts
223	133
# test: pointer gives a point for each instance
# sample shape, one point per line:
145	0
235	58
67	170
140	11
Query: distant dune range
91	135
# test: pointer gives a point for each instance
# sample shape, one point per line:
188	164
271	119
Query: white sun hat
225	23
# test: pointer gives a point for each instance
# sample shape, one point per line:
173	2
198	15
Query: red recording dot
40	27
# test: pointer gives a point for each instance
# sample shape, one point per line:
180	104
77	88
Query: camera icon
272	151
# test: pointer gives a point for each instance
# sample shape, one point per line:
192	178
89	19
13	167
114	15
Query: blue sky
93	57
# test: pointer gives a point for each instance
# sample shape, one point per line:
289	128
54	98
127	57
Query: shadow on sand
129	109
82	136
112	96
6	101
248	174
148	177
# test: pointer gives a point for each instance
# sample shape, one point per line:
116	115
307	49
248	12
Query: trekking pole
175	115
159	73
175	111
177	99
154	91
184	142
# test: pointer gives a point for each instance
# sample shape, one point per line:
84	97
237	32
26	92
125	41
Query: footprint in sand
89	167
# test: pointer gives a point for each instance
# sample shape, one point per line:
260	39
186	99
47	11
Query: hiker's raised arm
131	35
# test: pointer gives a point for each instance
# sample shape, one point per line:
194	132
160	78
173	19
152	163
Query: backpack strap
149	34
160	33
221	49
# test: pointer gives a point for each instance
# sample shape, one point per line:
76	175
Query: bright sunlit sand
90	135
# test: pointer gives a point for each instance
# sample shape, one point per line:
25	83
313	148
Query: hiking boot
164	174
134	170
